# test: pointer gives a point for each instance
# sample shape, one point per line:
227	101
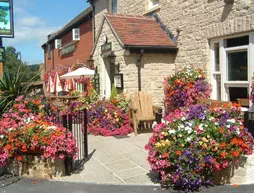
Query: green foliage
12	86
89	98
14	64
113	92
121	101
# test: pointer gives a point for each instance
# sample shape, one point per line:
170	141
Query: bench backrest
142	102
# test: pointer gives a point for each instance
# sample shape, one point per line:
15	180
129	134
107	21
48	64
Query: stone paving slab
114	160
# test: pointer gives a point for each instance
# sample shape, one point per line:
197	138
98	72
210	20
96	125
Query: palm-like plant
12	86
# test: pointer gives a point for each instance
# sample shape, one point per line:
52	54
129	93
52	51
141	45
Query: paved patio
116	160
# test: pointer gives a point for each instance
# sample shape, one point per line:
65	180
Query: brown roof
139	31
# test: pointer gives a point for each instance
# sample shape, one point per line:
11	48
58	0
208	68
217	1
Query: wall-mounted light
112	58
90	62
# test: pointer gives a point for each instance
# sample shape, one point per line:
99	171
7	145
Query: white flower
1	136
231	120
228	126
10	129
181	127
201	127
52	127
238	131
188	139
216	123
183	118
171	131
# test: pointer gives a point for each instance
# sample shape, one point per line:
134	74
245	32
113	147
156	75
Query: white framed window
113	6
232	67
153	3
58	43
76	34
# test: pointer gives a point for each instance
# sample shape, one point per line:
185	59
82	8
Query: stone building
216	35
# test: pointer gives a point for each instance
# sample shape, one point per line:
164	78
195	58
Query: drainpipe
93	17
139	68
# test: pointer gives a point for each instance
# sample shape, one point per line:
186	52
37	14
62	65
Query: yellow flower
204	139
164	133
180	135
106	110
167	142
200	143
117	120
182	145
208	136
158	145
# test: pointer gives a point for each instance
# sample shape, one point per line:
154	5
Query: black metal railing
77	124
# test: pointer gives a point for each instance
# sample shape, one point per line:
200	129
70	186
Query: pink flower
225	164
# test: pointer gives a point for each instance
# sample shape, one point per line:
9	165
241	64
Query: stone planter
32	166
241	173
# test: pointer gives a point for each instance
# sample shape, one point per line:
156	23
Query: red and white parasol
50	85
69	84
58	86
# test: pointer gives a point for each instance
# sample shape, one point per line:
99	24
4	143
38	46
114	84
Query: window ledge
152	10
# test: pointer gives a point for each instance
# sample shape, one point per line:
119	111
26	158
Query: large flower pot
33	166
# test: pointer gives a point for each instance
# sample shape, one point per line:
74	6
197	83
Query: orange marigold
223	154
236	153
178	152
223	145
234	141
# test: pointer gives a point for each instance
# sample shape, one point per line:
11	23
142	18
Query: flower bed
26	128
106	119
195	143
186	87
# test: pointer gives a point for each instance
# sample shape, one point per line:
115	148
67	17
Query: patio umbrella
50	85
79	73
58	86
69	85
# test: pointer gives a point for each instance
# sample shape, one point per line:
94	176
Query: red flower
19	158
236	153
234	141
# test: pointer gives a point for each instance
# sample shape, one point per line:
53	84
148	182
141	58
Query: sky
35	19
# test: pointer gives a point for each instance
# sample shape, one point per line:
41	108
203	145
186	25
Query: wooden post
1	63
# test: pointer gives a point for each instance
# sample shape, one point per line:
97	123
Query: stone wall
199	21
153	70
101	7
32	166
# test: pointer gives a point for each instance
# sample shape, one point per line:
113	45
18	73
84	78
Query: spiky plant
12	86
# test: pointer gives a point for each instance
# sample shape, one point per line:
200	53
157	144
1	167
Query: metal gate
77	124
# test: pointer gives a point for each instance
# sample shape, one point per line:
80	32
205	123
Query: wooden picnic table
64	99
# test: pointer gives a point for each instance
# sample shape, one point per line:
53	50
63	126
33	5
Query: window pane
237	66
217	85
216	57
240	41
237	92
114	6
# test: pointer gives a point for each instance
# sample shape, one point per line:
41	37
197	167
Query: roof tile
139	31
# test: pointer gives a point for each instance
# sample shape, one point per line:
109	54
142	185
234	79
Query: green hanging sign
97	83
2	54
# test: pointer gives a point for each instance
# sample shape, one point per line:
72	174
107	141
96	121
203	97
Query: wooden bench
142	109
